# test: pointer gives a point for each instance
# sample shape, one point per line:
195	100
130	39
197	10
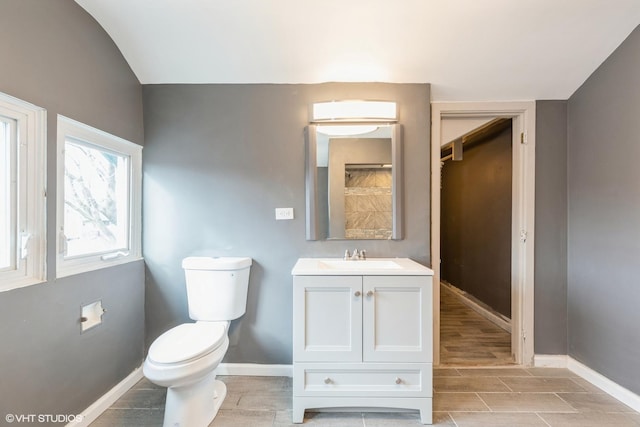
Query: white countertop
368	267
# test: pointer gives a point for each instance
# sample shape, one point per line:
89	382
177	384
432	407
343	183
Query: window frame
29	234
85	134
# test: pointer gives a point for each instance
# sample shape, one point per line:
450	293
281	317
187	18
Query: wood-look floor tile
146	384
241	384
231	400
274	401
141	398
464	396
493	372
473	397
468	384
587	386
445	372
283	418
324	419
243	418
391	419
458	402
443	419
551	372
542	384
130	418
525	402
483	419
589	420
590	402
467	338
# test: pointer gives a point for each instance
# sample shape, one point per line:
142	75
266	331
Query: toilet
184	358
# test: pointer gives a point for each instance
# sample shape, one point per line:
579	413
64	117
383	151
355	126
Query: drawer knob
398	380
357	293
327	380
370	293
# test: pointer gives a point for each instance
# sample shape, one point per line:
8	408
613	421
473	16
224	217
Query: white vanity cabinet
362	340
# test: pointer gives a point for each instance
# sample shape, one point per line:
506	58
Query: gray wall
218	159
57	57
550	272
476	220
604	218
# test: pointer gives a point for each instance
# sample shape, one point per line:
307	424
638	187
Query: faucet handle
363	254
346	254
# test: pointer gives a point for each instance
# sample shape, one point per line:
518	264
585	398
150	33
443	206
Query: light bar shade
354	111
345	130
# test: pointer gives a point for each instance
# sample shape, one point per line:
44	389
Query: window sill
21	283
85	267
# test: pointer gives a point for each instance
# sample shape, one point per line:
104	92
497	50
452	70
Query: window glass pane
7	202
96	200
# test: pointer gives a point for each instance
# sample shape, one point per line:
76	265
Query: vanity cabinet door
327	318
397	319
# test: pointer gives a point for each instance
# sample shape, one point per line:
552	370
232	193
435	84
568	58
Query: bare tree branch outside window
95	206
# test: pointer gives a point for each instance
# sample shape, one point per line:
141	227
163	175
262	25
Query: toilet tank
216	287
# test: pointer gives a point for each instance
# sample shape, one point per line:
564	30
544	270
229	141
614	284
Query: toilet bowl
184	358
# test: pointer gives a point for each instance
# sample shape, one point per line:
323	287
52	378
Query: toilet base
194	405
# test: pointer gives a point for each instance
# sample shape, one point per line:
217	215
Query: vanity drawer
358	379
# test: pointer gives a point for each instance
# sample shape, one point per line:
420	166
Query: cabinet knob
370	293
398	380
357	293
327	380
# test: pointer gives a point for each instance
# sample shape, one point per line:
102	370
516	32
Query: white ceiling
469	50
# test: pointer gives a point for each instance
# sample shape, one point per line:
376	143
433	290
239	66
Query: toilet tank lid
215	263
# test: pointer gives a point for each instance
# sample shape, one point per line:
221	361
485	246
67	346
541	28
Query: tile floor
468	339
464	397
507	396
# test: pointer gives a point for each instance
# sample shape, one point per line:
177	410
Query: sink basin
368	267
374	264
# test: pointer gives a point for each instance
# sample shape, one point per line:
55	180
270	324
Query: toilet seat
187	342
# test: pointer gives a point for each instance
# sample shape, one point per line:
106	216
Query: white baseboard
90	414
254	369
613	389
479	307
625	396
550	360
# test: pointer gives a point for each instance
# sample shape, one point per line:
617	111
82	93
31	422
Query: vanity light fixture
346	130
354	111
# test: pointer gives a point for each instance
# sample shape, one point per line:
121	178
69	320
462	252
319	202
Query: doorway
475	245
522	115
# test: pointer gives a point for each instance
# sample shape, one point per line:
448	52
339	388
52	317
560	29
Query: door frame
523	215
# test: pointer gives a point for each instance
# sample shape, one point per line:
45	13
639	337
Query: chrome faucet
362	254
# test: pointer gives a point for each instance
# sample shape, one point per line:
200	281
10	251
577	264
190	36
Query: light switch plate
284	213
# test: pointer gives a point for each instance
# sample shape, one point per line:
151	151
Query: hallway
468	339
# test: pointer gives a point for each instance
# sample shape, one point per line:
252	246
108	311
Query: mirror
353	176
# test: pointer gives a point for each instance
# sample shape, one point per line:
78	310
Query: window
22	193
99	185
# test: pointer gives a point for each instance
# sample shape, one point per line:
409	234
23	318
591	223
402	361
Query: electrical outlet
284	213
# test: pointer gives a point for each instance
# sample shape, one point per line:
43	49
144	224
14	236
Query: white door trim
523	192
